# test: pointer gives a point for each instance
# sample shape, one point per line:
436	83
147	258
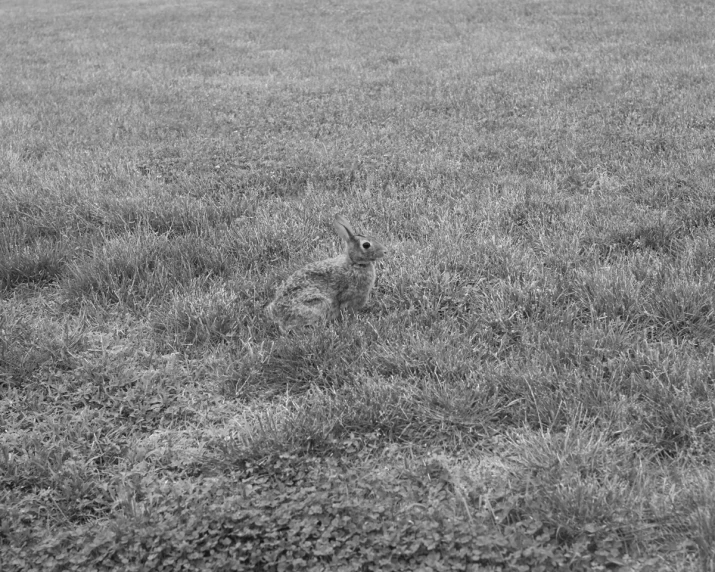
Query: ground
532	381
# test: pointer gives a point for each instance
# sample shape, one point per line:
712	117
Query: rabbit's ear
343	228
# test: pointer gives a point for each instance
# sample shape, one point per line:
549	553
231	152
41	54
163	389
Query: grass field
533	382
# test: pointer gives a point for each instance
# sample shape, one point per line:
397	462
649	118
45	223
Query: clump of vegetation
301	512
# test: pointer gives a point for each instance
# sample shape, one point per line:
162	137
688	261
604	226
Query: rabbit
318	292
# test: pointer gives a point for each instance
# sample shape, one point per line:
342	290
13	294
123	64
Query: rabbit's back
319	291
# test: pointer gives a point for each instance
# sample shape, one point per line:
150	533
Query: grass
534	374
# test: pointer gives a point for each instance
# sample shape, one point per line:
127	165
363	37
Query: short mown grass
531	385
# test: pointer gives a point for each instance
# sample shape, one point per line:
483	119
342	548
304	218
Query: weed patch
325	513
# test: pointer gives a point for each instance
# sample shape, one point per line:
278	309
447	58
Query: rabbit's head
360	249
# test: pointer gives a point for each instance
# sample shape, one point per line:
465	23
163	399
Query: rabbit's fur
319	291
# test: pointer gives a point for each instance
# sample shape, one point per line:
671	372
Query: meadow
532	385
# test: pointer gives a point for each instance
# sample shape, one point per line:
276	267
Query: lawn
532	385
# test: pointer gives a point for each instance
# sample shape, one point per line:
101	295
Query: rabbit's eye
366	245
